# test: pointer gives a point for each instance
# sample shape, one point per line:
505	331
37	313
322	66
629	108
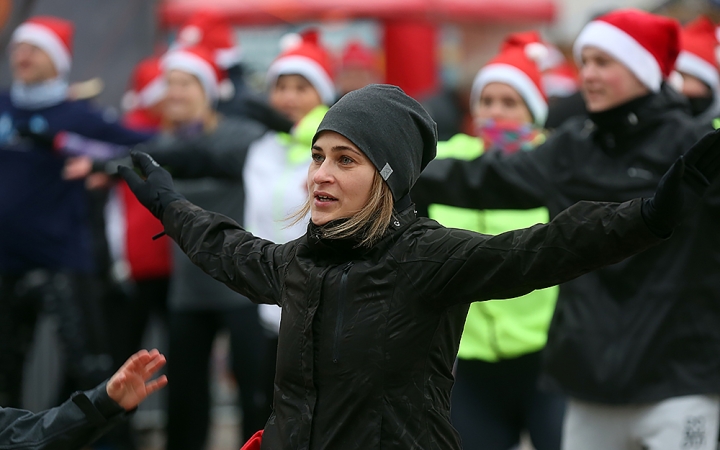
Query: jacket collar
611	128
347	248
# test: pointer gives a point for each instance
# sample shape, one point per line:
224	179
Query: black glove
156	191
682	187
39	139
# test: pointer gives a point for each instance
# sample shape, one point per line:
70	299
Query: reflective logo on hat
386	171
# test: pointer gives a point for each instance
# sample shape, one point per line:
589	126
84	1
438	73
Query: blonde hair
368	224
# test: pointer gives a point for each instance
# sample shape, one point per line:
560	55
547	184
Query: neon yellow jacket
497	329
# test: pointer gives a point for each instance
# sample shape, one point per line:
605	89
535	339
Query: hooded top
392	129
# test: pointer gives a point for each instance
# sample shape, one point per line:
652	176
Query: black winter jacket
642	330
72	425
368	338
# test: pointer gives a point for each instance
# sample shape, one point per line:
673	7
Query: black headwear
393	130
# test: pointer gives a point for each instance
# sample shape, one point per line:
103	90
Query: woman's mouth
324	199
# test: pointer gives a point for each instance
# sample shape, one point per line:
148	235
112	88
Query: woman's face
499	101
605	82
294	96
185	101
339	179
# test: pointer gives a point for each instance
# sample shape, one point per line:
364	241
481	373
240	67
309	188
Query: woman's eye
345	160
317	157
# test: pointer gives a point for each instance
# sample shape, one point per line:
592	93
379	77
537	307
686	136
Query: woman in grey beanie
374	298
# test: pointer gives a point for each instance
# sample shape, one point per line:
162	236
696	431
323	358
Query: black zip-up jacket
72	425
645	329
368	338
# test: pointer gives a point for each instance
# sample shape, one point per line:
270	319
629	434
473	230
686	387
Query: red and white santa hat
699	55
210	29
303	55
197	61
147	85
52	35
517	65
645	43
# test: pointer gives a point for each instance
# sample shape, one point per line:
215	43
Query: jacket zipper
341	311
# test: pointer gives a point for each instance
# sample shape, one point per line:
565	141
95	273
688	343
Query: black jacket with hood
369	336
642	330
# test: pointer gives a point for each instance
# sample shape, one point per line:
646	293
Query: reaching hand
129	386
683	185
157	190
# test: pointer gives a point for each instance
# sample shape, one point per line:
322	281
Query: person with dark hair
373	298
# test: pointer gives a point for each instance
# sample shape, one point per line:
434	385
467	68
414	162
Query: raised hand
130	386
157	190
683	185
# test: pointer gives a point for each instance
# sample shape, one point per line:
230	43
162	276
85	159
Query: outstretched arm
87	415
217	244
491	181
463	266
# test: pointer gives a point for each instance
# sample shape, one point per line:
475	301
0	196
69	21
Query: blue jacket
43	218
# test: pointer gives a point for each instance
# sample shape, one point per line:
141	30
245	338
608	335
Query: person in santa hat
633	345
496	397
698	65
358	68
210	29
207	151
143	101
300	85
46	252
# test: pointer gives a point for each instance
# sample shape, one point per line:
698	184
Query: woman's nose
323	174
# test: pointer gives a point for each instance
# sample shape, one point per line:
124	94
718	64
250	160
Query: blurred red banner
261	12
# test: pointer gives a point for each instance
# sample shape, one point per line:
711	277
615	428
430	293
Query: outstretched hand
130	386
683	185
157	190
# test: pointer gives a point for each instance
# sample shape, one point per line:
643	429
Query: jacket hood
393	130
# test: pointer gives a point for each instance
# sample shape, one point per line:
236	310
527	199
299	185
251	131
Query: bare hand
77	168
129	386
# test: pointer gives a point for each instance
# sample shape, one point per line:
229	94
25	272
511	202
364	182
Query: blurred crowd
625	357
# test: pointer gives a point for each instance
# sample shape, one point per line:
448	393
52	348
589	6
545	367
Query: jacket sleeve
95	124
493	180
220	154
72	425
225	251
460	266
